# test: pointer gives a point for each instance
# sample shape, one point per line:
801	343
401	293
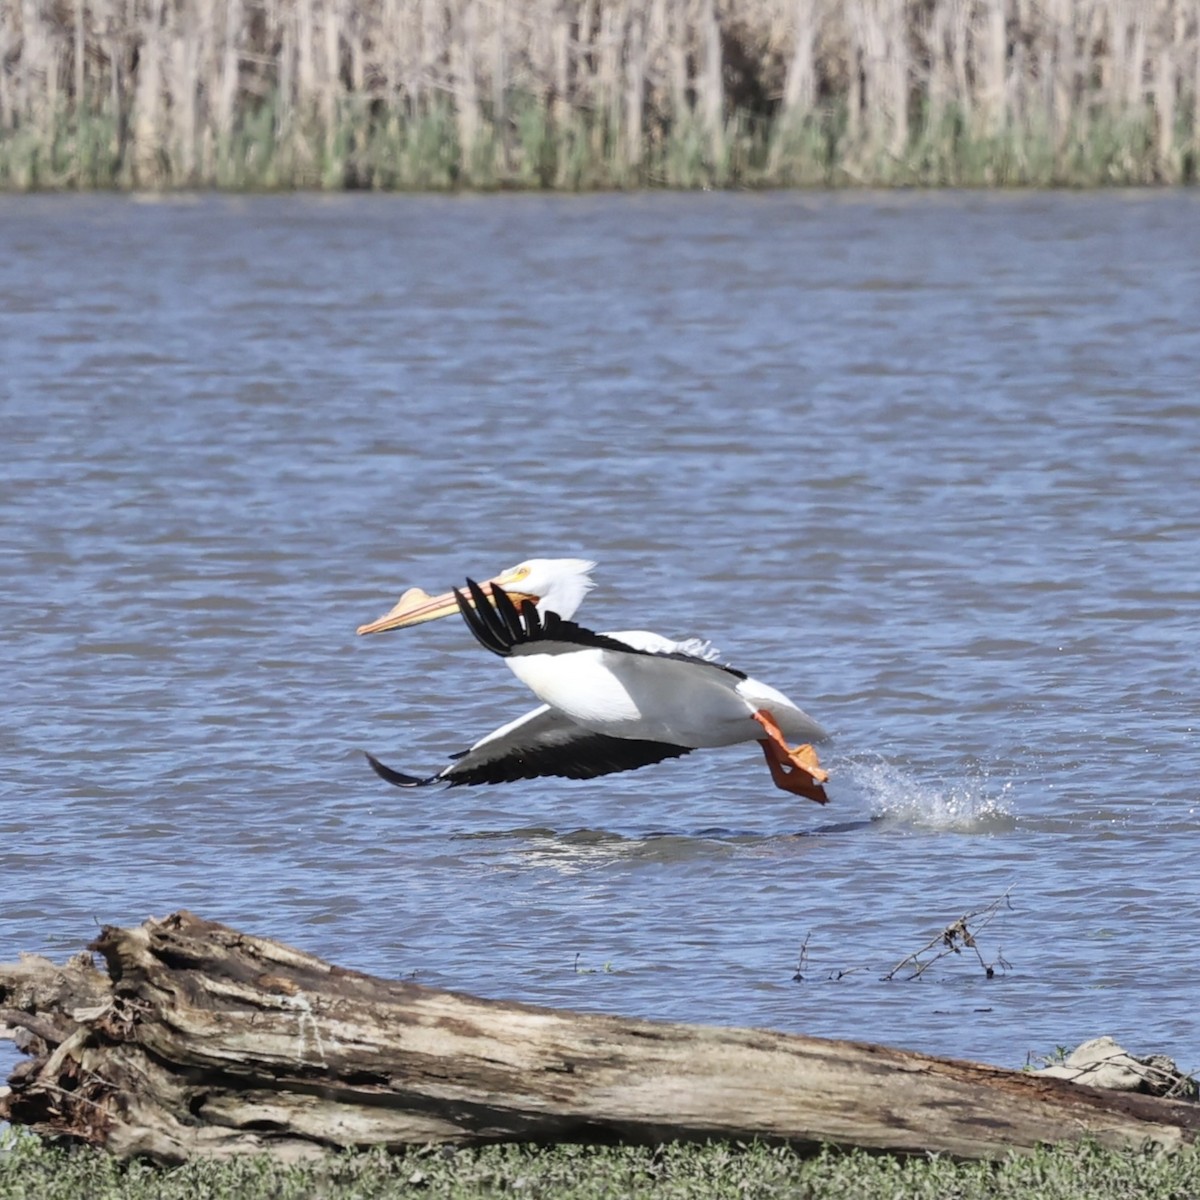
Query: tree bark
203	1040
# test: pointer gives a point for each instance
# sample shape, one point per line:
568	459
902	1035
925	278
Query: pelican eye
518	574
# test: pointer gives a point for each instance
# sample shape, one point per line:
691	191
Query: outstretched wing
502	628
542	742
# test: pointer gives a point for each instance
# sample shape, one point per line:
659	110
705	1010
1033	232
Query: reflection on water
926	463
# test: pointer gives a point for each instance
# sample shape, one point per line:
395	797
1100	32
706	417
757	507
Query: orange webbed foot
793	770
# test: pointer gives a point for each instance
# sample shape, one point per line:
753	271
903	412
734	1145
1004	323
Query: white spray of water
971	803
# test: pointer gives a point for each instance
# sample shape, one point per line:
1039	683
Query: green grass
32	1170
357	144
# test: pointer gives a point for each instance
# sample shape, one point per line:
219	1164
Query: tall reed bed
573	94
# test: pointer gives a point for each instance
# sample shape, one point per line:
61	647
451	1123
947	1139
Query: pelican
611	701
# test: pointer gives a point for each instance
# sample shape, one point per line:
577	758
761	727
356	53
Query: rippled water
930	464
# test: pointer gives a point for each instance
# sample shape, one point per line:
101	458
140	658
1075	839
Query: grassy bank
32	1169
574	94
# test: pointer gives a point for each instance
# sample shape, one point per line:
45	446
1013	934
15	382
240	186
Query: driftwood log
200	1040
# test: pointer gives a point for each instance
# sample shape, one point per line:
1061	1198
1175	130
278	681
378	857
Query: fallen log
202	1040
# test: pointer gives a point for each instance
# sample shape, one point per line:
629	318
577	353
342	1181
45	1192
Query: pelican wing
655	643
542	742
502	628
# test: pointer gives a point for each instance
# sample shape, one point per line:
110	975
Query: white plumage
613	701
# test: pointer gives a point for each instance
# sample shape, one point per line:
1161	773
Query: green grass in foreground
31	1169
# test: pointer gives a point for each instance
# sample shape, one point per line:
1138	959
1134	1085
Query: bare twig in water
956	937
831	976
802	962
842	972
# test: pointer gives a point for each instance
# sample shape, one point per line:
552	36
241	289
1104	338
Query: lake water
928	463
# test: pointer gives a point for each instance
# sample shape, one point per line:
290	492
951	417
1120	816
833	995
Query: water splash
972	803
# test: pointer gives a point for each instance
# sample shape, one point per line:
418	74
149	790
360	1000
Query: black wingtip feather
524	624
533	622
494	619
488	610
398	778
475	613
506	610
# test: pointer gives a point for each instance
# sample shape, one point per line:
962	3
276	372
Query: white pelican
612	702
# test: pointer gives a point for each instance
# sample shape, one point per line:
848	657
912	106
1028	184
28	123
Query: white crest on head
560	584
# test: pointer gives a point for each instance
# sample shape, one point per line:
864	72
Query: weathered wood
37	999
209	1041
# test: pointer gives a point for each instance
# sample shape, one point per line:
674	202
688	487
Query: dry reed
596	93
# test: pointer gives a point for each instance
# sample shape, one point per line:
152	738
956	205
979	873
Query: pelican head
553	584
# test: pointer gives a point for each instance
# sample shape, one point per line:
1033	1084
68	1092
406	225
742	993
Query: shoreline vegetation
30	1167
575	95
